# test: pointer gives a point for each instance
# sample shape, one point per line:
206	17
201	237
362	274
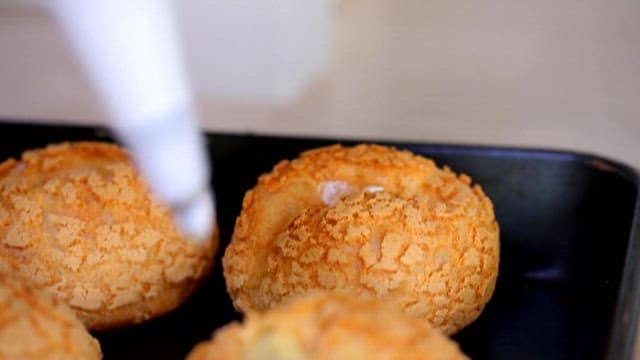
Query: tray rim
543	151
592	159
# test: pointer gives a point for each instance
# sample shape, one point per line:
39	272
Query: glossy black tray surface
568	283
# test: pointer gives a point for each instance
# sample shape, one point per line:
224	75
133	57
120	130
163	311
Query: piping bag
129	49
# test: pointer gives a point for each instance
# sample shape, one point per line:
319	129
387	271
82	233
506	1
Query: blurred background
551	74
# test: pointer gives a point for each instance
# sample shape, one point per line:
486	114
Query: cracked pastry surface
369	220
35	325
326	325
77	219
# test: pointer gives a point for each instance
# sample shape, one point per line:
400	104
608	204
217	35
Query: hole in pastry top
333	190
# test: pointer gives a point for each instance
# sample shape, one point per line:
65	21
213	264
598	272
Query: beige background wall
558	74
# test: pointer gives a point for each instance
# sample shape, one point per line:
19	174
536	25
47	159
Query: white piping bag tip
196	218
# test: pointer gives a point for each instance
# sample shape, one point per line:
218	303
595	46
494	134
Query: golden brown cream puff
77	219
36	325
368	220
326	325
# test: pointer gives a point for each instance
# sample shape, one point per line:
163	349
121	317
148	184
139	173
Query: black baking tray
570	239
